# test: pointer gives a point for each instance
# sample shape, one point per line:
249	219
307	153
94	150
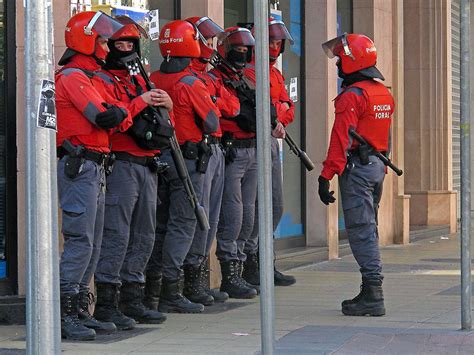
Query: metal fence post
262	68
42	288
466	320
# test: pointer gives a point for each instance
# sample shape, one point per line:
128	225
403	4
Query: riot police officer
240	186
195	266
83	148
195	117
130	200
283	113
366	106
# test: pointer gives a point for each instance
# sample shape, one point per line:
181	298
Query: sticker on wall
294	89
154	17
46	117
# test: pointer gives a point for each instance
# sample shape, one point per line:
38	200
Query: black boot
152	289
250	271
216	294
356	299
131	304
71	327
281	279
86	298
232	283
369	302
107	309
240	271
193	288
172	300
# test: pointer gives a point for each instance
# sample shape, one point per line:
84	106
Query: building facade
416	46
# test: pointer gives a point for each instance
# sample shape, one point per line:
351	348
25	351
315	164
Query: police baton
379	155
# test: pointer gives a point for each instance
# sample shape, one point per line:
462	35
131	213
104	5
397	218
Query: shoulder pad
105	77
212	75
69	71
188	80
355	90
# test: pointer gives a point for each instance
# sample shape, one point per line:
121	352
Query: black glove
273	115
110	118
325	195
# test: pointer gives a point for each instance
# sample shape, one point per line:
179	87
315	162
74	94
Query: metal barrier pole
466	320
42	284
262	68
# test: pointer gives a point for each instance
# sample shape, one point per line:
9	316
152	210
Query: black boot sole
150	321
242	297
89	338
173	309
366	312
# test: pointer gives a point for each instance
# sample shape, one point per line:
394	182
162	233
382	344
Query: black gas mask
113	57
238	59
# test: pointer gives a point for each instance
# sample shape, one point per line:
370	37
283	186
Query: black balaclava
238	59
349	79
174	65
113	57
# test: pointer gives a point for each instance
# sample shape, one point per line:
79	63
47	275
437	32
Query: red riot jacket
228	104
366	106
120	84
194	112
228	125
278	94
78	100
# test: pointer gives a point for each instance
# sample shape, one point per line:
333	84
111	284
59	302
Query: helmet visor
103	24
337	46
125	20
277	30
208	28
238	37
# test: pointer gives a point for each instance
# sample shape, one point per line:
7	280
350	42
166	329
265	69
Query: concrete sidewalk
421	296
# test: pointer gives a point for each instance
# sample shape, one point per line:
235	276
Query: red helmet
357	53
179	39
278	31
208	29
82	31
131	31
234	37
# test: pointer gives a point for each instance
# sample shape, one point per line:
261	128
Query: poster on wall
154	23
46	116
77	6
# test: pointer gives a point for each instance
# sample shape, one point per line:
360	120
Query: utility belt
213	140
363	152
153	163
244	143
201	152
76	155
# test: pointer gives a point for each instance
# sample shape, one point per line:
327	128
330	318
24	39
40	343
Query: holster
228	146
74	159
363	152
109	164
205	153
190	150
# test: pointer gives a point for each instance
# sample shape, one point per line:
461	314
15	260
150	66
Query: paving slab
421	294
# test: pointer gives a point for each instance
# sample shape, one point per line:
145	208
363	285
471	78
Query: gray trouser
238	205
82	203
129	227
176	222
211	199
361	191
251	247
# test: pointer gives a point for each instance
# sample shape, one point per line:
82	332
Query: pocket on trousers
74	222
111	212
355	214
